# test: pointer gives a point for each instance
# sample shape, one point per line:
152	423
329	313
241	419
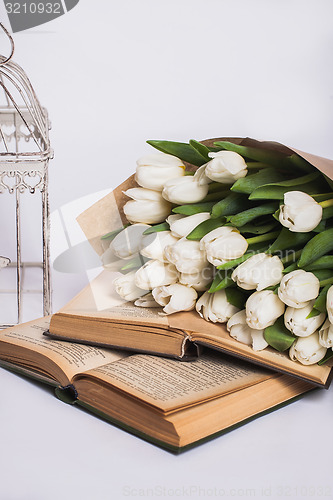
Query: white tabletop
113	76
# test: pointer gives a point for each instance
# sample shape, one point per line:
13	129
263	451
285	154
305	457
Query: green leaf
290	268
232	204
164	226
276	190
221	281
327	213
288	239
248	184
196	208
133	264
320	302
183	151
204	227
242	218
260	229
325	262
313	313
236	297
328	355
201	149
320	228
216	187
111	236
278	336
274	158
319	245
216	196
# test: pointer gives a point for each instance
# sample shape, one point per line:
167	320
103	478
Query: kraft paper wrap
107	214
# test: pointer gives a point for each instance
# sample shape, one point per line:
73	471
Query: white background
112	75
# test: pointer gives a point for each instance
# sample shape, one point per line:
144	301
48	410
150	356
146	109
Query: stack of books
170	380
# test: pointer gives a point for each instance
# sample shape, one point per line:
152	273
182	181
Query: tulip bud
223	244
153	245
215	307
199	280
307	350
183	190
183	226
201	177
329	304
300	212
155	273
262	309
127	243
326	334
146	301
258	272
186	255
125	287
239	330
297	322
175	298
225	167
298	287
146	206
154	170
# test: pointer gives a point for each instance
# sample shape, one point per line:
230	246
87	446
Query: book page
169	384
26	343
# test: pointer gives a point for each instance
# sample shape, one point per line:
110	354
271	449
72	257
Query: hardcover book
172	404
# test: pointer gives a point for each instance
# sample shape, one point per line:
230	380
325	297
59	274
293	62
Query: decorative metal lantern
24	156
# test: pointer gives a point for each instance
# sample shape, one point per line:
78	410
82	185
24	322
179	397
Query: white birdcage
24	156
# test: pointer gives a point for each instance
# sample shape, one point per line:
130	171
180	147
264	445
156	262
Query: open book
97	315
176	405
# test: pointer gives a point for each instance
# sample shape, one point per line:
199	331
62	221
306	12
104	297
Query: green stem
328	281
291	257
326	203
263	237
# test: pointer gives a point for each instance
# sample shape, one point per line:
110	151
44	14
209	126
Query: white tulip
146	206
258	272
183	190
153	245
146	301
297	322
183	226
307	350
329	303
125	287
187	256
326	334
199	280
298	287
127	243
154	170
263	309
300	212
223	244
155	273
215	307
175	298
225	167
239	330
110	261
201	177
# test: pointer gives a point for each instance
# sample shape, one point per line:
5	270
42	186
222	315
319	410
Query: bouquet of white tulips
241	234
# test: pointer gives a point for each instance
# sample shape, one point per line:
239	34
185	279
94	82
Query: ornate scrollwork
31	180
